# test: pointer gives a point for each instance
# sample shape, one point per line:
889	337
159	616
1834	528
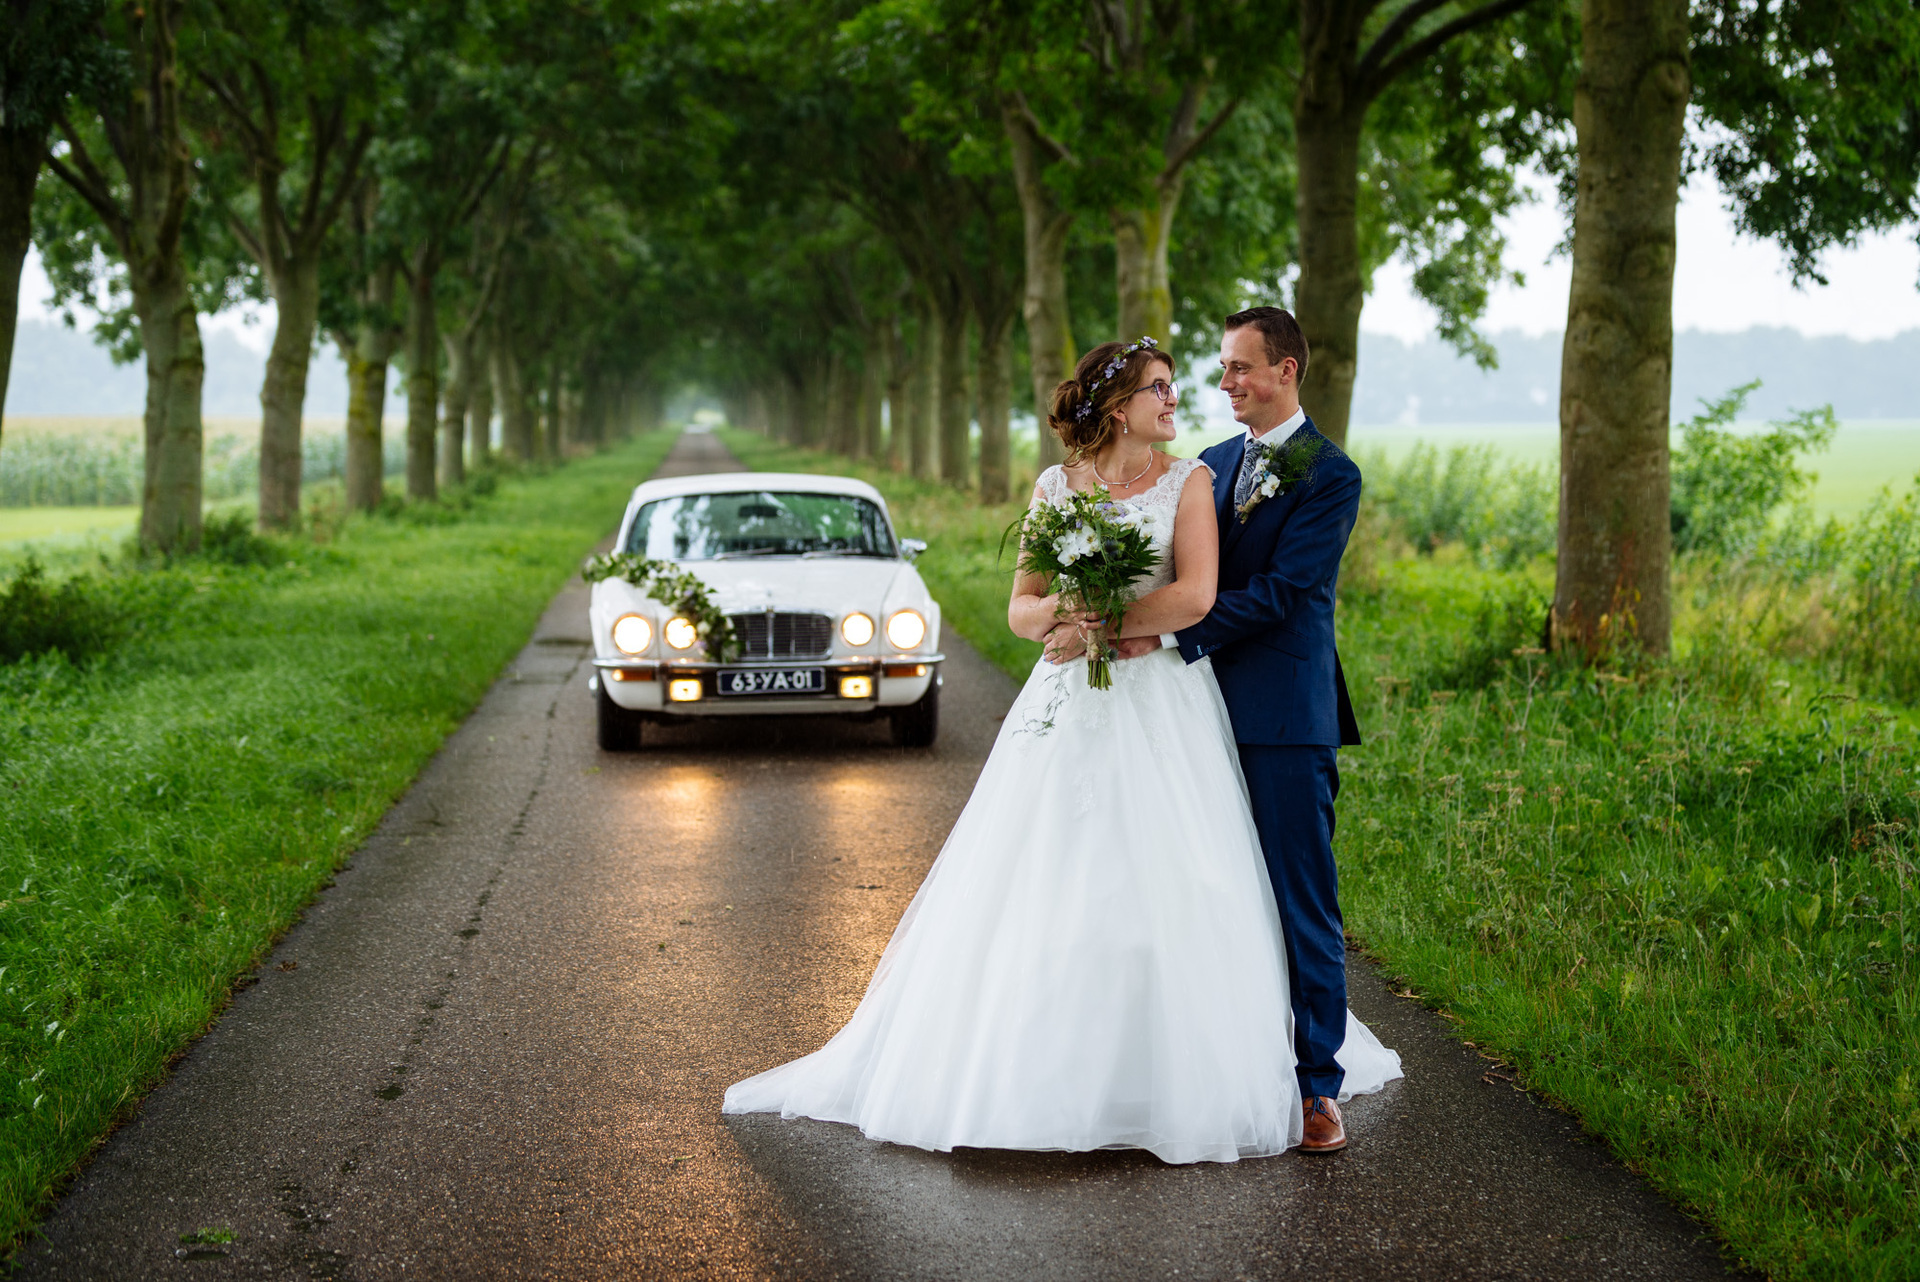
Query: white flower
1076	544
1268	486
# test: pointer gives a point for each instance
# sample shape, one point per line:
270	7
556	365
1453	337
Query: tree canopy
885	227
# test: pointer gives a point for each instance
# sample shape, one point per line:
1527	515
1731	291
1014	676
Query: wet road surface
496	1049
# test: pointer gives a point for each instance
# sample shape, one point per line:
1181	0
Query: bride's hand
1065	643
1066	613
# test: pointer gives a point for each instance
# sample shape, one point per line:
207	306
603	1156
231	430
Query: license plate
772	681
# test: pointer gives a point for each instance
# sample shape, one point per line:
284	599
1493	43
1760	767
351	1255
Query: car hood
827	583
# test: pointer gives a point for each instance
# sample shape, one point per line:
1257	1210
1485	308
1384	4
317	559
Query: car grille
783	636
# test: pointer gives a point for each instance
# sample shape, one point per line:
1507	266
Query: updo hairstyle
1083	433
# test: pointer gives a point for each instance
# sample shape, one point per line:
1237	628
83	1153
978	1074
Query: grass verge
1679	900
167	810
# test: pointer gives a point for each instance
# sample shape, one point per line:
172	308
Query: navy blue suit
1270	634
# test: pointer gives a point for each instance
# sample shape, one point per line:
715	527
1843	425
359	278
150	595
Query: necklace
1122	484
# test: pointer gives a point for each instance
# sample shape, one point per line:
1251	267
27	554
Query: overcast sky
1724	282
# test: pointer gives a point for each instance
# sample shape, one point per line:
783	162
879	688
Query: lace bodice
1162	499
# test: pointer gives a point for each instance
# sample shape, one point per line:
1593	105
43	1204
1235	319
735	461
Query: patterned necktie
1249	464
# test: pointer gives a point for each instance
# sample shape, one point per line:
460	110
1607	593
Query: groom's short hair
1280	331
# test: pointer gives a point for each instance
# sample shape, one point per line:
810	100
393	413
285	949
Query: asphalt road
496	1049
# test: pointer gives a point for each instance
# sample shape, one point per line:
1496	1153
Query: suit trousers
1293	788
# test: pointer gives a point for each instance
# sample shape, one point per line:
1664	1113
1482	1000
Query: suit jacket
1270	631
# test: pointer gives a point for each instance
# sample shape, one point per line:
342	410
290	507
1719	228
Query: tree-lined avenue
497	1047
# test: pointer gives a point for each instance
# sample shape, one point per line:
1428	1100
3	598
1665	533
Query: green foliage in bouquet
1093	550
681	591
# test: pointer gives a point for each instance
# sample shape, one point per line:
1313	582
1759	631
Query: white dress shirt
1281	431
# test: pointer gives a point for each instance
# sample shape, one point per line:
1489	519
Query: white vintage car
831	615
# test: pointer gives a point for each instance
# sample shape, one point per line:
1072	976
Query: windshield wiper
728	556
808	556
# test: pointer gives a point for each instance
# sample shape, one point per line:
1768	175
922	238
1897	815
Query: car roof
736	482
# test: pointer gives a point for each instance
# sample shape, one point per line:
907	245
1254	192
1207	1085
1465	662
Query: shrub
1504	513
72	618
1879	616
1510	621
1726	487
229	538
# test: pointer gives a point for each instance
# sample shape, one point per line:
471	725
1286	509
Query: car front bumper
648	685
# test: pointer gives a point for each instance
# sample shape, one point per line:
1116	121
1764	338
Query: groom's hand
1134	647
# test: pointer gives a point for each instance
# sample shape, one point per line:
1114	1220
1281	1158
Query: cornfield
105	471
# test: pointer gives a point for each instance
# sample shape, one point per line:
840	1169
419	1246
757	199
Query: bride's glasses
1161	388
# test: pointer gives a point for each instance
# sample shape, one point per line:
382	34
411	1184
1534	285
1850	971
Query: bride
1094	961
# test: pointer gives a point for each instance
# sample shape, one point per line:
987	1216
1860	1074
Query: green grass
66	525
1679	901
166	812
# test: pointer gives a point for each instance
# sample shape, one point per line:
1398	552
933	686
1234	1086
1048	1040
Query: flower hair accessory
1107	372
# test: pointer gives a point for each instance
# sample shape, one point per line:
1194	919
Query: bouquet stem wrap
1093	550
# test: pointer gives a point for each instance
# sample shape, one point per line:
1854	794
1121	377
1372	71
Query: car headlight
906	629
631	633
857	629
680	632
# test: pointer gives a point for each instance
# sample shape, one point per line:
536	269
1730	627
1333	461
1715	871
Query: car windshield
706	527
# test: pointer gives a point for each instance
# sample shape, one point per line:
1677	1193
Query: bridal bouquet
1093	550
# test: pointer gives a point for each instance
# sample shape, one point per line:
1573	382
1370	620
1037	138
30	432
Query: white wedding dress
1094	960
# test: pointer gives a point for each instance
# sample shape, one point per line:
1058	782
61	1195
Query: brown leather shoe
1325	1133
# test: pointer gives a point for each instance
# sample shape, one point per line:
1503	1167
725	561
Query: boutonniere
1280	472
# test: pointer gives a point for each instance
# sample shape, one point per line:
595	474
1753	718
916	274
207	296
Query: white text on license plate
773	681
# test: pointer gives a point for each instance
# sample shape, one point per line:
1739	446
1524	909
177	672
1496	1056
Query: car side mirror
912	548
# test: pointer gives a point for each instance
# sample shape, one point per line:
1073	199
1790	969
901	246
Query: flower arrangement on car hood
1093	550
681	591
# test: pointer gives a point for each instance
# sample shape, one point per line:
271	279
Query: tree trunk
847	413
922	443
366	357
1050	350
899	398
453	416
283	392
572	438
20	157
815	433
955	422
176	367
516	419
1616	380
873	391
1141	238
995	380
480	398
423	376
1328	298
555	443
843	415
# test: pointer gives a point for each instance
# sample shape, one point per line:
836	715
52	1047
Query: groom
1286	497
